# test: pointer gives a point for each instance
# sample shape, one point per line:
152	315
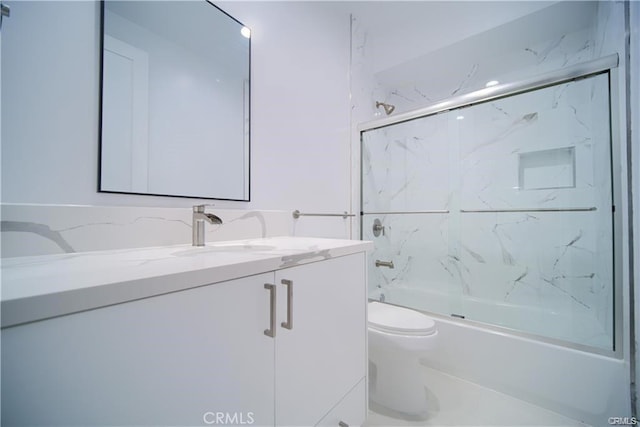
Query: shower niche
547	169
499	212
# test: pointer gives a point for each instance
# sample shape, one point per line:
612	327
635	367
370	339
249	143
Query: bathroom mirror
174	100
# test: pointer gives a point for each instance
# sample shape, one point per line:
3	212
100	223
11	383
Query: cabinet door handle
289	323
271	332
343	424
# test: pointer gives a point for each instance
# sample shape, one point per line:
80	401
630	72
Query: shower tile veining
456	402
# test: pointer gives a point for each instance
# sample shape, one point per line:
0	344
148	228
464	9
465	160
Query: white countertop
40	287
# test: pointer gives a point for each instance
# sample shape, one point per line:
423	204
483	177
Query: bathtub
579	384
578	328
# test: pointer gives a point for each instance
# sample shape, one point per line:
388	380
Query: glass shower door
406	200
499	212
536	219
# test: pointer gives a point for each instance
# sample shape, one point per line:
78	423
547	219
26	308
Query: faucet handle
200	208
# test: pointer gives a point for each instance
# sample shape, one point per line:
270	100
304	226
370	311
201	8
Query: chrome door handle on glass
384	264
377	228
289	323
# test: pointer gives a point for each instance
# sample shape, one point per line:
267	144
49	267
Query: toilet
398	338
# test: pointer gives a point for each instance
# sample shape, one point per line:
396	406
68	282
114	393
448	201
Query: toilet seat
399	320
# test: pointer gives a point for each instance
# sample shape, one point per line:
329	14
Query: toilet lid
391	318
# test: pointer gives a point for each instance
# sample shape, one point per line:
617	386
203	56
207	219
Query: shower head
388	108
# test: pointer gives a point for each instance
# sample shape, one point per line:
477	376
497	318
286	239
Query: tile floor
456	402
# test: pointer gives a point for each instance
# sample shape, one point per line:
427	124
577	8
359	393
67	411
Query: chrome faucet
199	217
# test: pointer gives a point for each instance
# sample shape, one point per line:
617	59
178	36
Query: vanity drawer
351	410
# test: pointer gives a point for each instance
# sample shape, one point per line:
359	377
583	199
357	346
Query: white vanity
265	332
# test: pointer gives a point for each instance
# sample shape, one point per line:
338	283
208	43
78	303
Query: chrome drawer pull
289	323
271	332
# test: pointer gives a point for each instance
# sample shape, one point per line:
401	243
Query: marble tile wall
406	167
494	136
544	149
52	229
510	52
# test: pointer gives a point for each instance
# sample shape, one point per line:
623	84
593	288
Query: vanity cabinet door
193	357
323	356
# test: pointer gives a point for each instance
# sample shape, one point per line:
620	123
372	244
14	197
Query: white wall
300	107
300	103
400	32
50	93
635	168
